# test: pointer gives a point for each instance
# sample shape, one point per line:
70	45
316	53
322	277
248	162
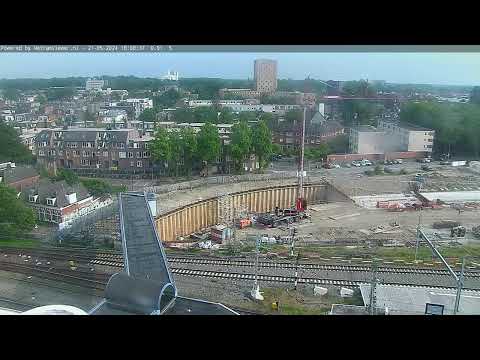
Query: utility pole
458	280
372	307
296	271
292	249
256	288
302	154
459	288
418	234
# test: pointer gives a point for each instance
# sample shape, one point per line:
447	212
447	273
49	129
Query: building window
138	154
132	163
146	154
122	146
105	153
85	162
51	201
60	152
76	153
147	145
130	155
41	153
139	164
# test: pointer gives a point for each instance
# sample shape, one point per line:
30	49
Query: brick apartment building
94	148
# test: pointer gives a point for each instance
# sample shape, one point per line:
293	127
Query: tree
69	176
15	216
60	93
339	144
183	115
175	146
208	143
41	99
148	115
293	116
226	116
475	95
11	94
11	148
205	114
161	150
241	144
189	148
262	142
167	99
247	116
100	188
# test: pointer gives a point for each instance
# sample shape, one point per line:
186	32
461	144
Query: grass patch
21	243
404	253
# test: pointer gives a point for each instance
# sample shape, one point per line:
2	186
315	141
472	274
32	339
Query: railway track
116	260
99	281
301	266
81	278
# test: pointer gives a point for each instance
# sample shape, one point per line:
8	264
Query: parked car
445	162
347	165
398	161
366	162
356	163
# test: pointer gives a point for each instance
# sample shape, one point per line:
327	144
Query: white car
356	164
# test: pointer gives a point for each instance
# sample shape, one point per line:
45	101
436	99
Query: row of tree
185	150
457	126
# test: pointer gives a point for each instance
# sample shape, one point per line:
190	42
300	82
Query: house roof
18	173
59	189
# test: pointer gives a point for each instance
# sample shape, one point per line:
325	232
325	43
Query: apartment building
408	136
94	148
94	85
139	105
265	75
367	140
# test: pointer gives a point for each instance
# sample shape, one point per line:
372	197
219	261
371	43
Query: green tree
161	150
69	176
247	116
205	114
208	143
41	99
100	188
15	216
11	148
475	95
262	142
293	116
175	146
183	115
339	144
148	115
11	94
167	99
189	148
60	93
226	116
241	144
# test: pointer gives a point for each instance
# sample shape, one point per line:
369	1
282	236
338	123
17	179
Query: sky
417	68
